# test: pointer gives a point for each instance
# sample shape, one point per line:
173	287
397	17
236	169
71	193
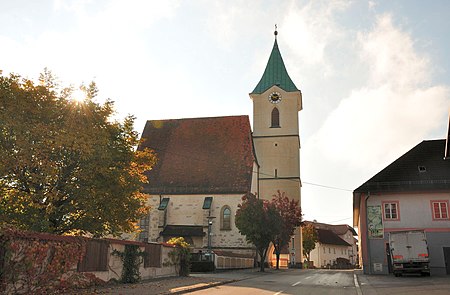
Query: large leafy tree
67	166
259	221
310	238
291	218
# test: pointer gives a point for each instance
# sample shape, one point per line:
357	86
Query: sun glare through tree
78	96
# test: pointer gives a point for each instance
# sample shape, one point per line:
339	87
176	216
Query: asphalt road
292	282
288	281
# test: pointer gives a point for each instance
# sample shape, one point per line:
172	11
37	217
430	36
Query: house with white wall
334	241
412	193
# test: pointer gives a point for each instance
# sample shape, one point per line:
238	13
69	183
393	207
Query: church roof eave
275	74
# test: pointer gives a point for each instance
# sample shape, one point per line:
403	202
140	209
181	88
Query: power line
327	186
305	182
340	220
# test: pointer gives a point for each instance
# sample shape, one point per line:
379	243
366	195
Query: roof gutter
367	233
356	209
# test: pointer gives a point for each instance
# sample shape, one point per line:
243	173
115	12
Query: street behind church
322	281
288	281
291	282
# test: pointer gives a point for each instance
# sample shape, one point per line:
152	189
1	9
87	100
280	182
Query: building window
329	250
440	210
324	250
334	250
391	210
207	203
226	218
163	204
275	118
144	224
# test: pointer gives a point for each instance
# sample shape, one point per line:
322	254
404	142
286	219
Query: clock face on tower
274	97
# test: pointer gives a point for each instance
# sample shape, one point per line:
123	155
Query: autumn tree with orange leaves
291	218
67	166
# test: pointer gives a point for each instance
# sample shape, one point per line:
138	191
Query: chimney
447	141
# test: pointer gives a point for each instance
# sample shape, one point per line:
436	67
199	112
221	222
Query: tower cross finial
276	32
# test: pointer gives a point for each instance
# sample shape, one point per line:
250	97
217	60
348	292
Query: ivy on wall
132	258
180	256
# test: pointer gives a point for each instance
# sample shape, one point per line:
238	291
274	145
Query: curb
357	286
197	287
203	286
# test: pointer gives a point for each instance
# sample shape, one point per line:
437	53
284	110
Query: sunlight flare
78	96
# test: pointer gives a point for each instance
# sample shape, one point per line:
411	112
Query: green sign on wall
375	222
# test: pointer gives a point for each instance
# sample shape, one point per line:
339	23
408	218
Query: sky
374	75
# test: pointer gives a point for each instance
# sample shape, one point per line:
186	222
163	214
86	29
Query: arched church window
275	118
226	218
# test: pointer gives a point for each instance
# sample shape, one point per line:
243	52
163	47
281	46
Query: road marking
293	285
358	288
278	293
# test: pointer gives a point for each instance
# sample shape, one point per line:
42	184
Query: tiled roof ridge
200	118
326	224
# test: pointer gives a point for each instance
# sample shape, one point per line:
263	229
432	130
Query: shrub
180	256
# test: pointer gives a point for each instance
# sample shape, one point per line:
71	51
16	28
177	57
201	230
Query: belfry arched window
275	118
225	217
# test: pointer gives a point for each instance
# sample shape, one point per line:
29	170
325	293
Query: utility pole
210	222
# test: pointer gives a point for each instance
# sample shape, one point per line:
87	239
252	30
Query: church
206	165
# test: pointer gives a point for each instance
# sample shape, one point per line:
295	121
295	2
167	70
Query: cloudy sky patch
374	74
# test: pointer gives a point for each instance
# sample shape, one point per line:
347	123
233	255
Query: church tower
276	103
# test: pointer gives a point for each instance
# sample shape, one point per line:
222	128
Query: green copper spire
275	73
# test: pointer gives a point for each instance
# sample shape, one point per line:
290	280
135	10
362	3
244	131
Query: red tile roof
328	237
200	155
339	229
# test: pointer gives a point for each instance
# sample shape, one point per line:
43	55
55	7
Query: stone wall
187	210
115	264
42	263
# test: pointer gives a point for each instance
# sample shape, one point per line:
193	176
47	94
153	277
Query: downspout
367	234
159	234
318	256
257	181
